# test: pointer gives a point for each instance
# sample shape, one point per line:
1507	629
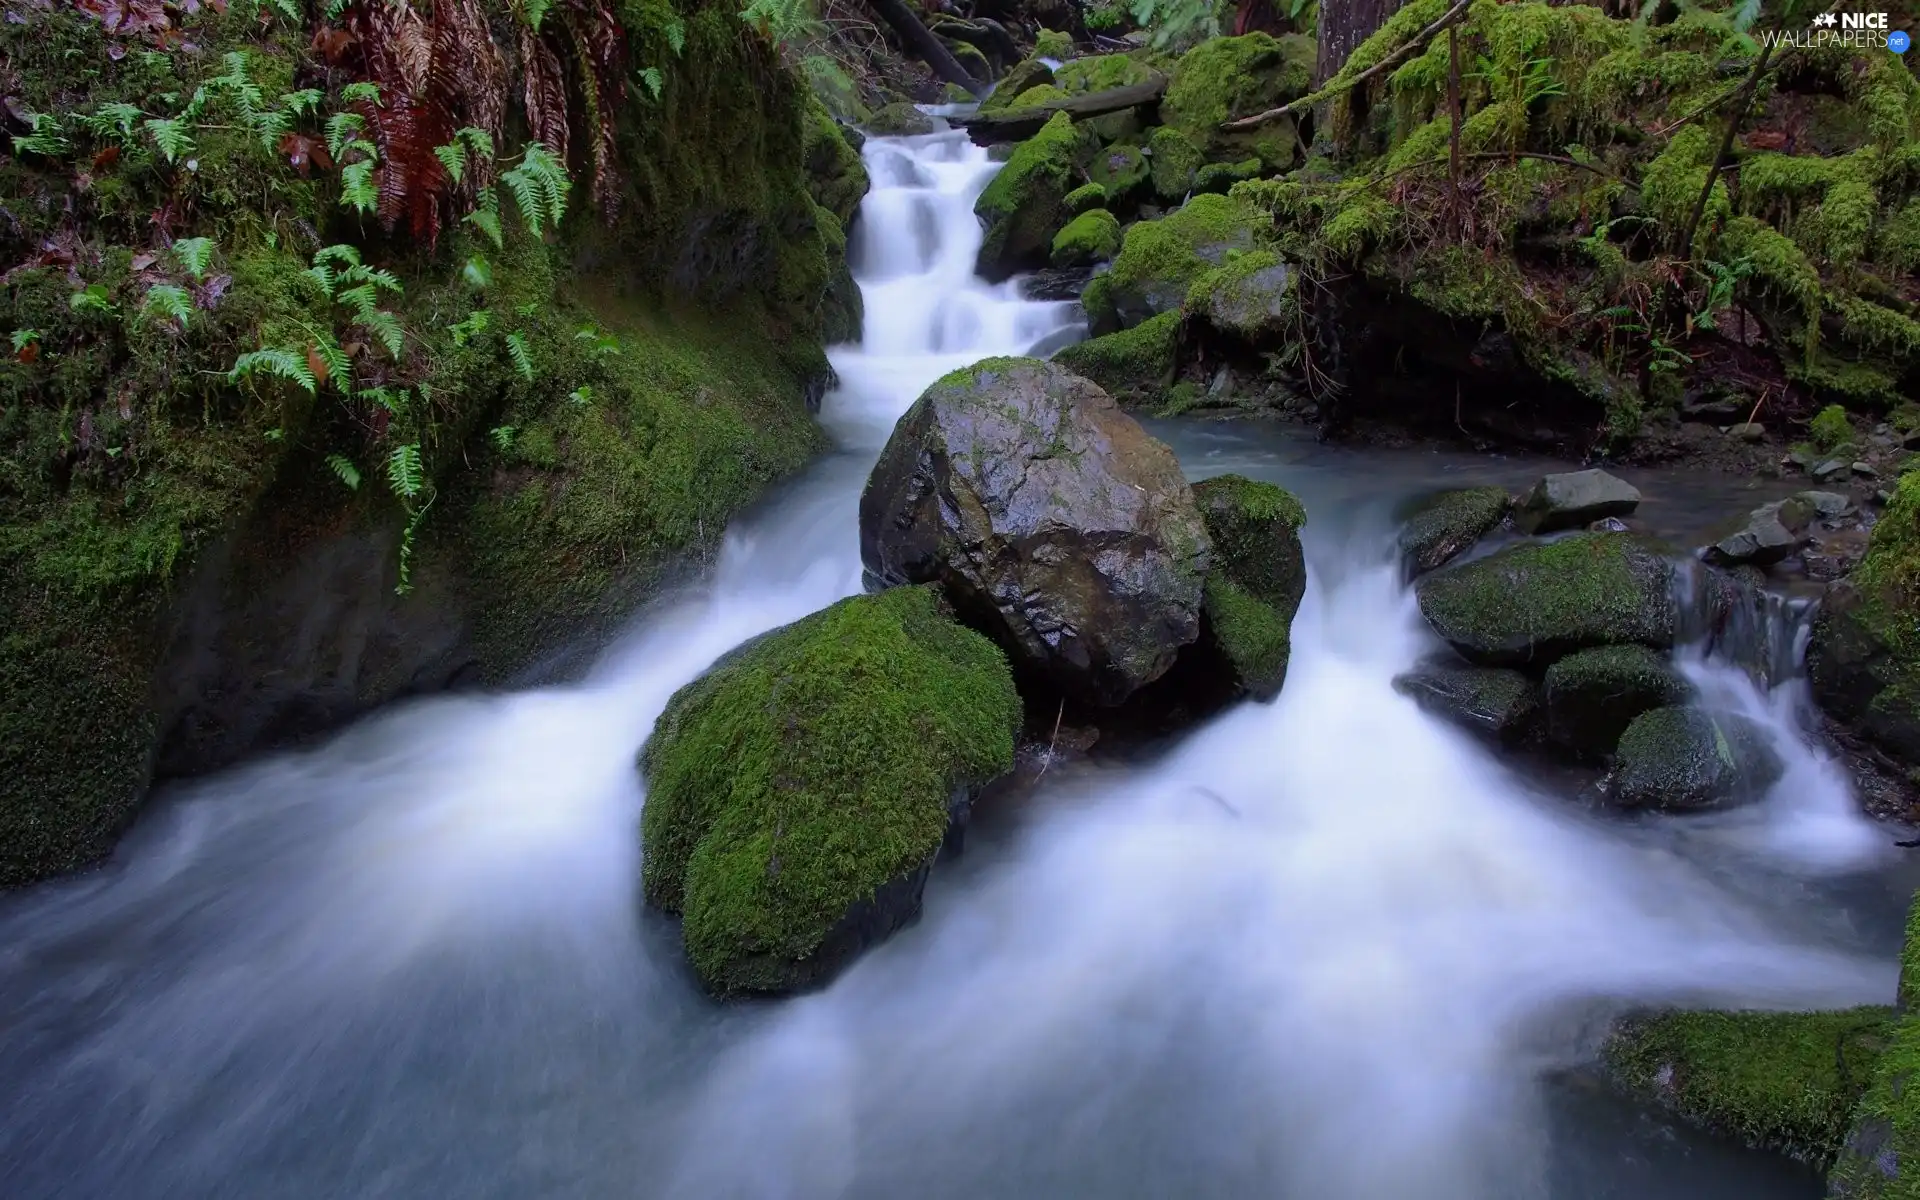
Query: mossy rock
1252	299
1020	79
1534	603
1160	260
1101	73
1592	696
1122	173
1880	1157
1684	759
1085	198
1780	1082
1174	160
1448	524
1494	702
1024	204
836	177
1092	237
1225	78
1863	660
1254	587
1132	364
798	793
899	119
1220	177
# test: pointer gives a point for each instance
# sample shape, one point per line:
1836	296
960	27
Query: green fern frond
363	92
286	364
22	338
522	358
502	436
676	31
488	223
385	328
270	125
394	401
652	80
170	135
340	252
356	187
344	470
341	127
477	273
382	279
303	102
539	185
90	299
167	302
533	12
405	475
478	142
194	254
360	299
46	140
475	324
453	157
114	120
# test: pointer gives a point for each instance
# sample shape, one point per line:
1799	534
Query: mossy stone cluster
1025	203
1131	364
1783	1082
1864	657
1880	1157
1092	237
798	792
1160	260
1225	78
1683	759
1592	696
1448	523
1255	585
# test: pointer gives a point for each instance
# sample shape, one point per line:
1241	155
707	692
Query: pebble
1750	431
1865	469
1829	468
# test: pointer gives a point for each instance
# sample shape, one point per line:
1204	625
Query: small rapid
1325	947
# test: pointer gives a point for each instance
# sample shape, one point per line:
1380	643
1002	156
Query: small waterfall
1727	619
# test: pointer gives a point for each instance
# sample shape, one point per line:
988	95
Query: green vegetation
1786	1082
811	768
1257	579
1130	362
1091	237
237	319
1024	205
1159	260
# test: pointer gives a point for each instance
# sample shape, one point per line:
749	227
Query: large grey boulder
1574	500
1682	759
1537	602
1446	524
1051	519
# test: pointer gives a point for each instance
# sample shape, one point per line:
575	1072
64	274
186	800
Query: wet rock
1253	298
900	119
1863	670
1831	468
1682	759
1053	522
1122	172
1540	601
1500	703
799	792
1449	523
1227	77
1826	505
1020	78
1591	697
1865	470
1610	525
1258	576
1133	364
1769	534
1175	159
1571	500
1750	431
1055	283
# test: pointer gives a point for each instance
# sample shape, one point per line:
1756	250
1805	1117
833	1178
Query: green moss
1089	238
1121	172
1131	362
1830	428
1045	95
1220	177
810	769
1785	1082
1672	183
1878	1159
1225	78
1447	524
1174	160
1020	78
1023	205
1780	266
1175	250
1254	297
1084	198
836	177
1052	43
1872	326
1101	73
899	119
1257	579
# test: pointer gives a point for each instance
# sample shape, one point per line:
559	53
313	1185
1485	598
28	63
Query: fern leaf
284	363
344	470
533	12
194	254
170	135
356	187
360	299
333	362
302	102
488	223
479	142
340	252
112	120
522	359
477	273
168	302
653	81
676	31
404	472
341	127
385	327
362	92
475	324
453	157
502	436
382	279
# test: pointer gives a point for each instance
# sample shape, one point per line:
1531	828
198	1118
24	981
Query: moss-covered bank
799	791
534	426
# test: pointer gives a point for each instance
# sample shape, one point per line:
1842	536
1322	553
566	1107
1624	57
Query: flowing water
1324	947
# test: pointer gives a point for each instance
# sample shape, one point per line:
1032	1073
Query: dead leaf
333	44
209	294
354	349
303	151
29	353
106	158
1767	139
142	261
317	363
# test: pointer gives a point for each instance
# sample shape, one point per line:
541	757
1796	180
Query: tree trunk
931	49
1344	24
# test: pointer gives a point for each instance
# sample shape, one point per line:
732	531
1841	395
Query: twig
1419	39
1764	392
1734	118
1053	741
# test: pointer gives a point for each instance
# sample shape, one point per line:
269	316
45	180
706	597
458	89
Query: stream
1326	948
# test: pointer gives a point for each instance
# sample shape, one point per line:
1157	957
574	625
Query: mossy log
989	128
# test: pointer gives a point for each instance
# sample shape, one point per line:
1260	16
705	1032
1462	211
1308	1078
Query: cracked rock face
1052	521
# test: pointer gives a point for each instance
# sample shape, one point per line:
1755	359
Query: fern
393	401
194	254
114	120
581	396
478	142
502	436
522	358
90	299
603	344
236	83
385	328
170	135
342	128
361	299
382	279
453	157
286	364
333	360
46	140
22	338
676	32
533	12
486	218
362	92
477	273
344	470
539	185
356	185
405	474
651	78
167	302
340	252
302	102
270	125
475	324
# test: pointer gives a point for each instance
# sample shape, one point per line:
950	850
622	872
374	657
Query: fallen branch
1022	123
1419	39
1734	118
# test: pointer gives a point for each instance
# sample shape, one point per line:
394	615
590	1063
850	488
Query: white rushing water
1323	948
